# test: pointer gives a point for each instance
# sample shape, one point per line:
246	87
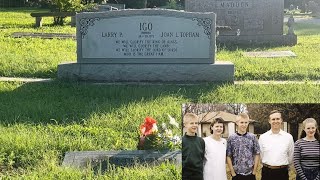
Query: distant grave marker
43	35
270	54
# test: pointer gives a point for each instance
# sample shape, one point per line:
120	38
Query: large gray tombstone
251	21
146	46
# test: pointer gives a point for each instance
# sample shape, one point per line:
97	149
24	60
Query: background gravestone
251	17
149	45
314	7
251	21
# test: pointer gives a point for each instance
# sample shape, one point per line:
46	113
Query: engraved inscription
180	34
147	38
251	23
112	34
141	48
233	4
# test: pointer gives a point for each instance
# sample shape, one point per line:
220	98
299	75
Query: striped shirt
306	155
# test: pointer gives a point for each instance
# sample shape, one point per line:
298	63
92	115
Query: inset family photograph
250	141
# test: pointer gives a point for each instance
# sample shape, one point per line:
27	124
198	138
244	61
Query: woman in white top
215	153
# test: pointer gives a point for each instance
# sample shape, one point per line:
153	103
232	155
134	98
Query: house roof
207	118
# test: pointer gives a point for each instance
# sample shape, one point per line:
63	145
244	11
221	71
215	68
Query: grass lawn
35	57
39	122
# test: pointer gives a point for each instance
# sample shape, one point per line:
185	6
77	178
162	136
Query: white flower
168	132
176	139
173	121
154	128
164	126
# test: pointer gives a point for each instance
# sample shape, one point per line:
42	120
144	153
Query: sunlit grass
39	122
35	57
42	121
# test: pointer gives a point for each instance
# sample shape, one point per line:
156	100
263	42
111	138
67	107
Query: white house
205	120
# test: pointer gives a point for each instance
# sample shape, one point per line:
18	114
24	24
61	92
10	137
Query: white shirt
276	149
215	159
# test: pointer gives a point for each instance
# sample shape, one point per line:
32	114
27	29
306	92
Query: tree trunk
58	20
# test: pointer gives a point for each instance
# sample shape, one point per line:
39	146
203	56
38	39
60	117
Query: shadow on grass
307	29
30	26
23	10
65	103
40	73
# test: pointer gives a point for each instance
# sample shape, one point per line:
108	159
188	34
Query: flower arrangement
153	138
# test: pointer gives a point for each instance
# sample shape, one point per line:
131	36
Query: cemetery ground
39	122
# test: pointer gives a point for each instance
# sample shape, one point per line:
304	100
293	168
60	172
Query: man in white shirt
276	148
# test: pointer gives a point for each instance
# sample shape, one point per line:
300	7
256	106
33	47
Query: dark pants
275	174
192	177
244	177
310	174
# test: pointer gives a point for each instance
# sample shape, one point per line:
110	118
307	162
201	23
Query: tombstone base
275	40
218	72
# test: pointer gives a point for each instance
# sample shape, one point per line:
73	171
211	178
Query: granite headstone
254	21
146	45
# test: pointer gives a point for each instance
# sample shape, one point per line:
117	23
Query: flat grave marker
125	158
270	54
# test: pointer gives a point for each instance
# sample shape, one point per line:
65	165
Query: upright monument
149	45
250	21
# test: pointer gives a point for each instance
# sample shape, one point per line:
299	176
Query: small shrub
64	6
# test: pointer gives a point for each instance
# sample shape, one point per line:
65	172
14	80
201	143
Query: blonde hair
310	120
189	116
242	116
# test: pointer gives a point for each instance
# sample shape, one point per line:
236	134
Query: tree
232	108
137	4
291	113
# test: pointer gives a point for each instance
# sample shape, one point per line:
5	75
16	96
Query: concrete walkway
26	80
13	79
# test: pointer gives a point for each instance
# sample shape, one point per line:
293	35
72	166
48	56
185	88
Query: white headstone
146	36
149	45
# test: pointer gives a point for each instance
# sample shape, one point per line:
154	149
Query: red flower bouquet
150	138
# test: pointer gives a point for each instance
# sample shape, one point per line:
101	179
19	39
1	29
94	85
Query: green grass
35	57
40	122
65	103
306	66
32	57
